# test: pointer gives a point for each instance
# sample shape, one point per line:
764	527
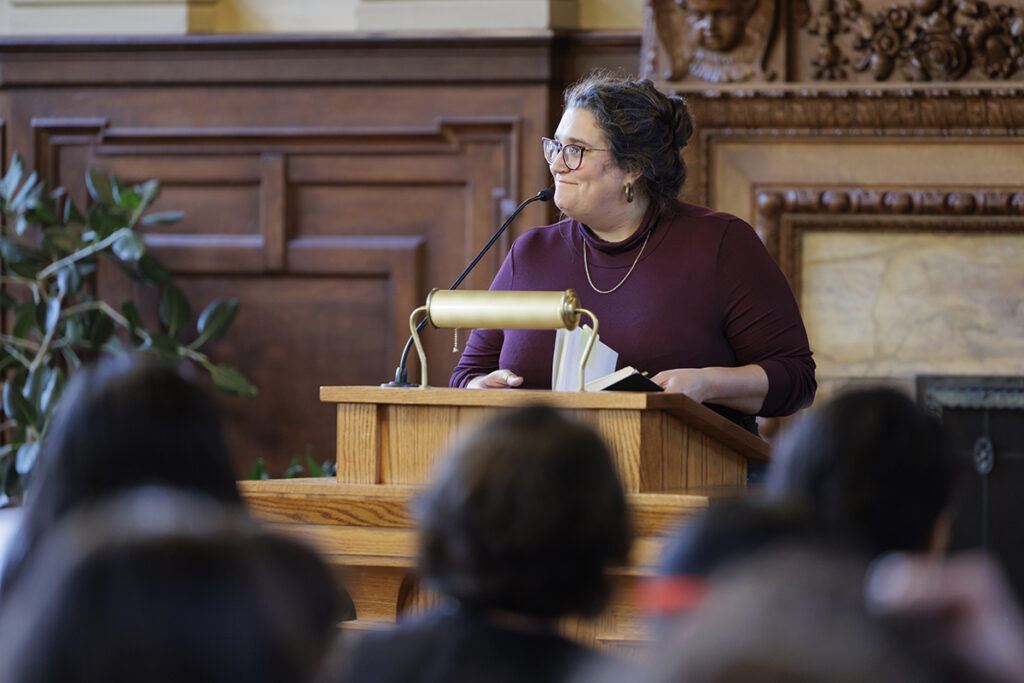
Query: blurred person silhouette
965	598
797	615
165	586
518	529
729	532
126	421
869	467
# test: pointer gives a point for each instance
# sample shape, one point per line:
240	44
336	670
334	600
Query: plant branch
107	309
13	351
15	279
24	282
21	343
44	348
200	340
83	253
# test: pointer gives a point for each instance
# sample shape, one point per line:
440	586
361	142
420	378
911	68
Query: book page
565	365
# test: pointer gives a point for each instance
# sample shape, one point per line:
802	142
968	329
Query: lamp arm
590	344
419	347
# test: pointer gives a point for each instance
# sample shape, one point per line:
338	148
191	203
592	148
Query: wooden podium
672	453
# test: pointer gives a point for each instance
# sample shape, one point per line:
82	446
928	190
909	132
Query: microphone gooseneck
401	376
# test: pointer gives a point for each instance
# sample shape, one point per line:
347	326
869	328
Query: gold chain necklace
586	267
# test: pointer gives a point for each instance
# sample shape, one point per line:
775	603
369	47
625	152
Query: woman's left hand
743	388
690	381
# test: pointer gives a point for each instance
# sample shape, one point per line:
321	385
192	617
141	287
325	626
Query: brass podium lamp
501	310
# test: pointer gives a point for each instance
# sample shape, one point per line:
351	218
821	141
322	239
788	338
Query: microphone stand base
398	385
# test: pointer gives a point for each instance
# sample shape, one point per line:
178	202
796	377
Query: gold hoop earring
629	192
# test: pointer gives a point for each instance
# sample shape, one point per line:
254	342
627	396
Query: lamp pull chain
455	341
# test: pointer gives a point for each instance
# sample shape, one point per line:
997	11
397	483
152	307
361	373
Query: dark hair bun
680	121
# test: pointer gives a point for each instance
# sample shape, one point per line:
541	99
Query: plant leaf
17	406
25	270
37	378
53	308
59	242
175	310
217	317
131	313
102	221
51	391
150	268
16	252
24	320
26	458
71	358
12	178
28	195
127	198
129	247
101	328
69	280
314	469
160	342
6	361
231	381
148	192
73	330
72	216
294	469
44	212
162	218
98	184
258	470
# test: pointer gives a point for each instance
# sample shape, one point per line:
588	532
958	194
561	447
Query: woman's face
596	190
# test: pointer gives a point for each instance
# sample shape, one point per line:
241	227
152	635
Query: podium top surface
678	405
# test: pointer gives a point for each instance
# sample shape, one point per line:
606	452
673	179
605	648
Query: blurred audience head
126	421
526	515
797	616
729	532
872	467
162	586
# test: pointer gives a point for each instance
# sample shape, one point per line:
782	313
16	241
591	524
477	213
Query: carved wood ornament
719	41
929	40
733	41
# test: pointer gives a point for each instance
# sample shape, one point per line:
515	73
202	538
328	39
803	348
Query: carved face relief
720	24
718	41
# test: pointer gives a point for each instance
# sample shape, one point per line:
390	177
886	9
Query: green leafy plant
55	320
296	468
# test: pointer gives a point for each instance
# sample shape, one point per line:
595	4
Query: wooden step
324	501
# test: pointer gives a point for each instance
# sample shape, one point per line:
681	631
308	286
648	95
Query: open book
600	373
623	379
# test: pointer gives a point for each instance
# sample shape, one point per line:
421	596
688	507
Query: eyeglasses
572	155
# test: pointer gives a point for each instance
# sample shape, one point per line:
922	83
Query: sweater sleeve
762	320
483	348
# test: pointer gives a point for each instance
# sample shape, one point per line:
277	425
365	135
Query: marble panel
897	304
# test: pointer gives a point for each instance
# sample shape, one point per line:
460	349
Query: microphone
401	376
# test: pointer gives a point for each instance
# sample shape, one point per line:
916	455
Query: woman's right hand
499	379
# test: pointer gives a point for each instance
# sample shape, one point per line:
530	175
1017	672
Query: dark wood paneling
327	184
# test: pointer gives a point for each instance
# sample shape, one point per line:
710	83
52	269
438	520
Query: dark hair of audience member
526	516
126	421
729	532
163	586
870	465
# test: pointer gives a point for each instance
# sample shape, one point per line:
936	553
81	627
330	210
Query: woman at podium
687	294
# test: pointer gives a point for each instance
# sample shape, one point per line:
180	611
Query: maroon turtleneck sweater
705	292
